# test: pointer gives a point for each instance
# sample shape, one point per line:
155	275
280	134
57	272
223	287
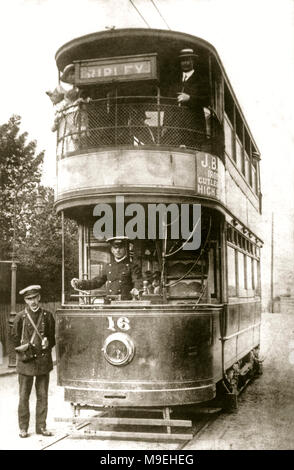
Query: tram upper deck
126	133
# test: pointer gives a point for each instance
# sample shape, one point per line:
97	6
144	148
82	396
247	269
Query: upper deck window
239	155
217	90
229	106
238	144
254	178
247	168
229	138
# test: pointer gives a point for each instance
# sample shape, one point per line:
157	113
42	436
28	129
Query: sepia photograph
147	228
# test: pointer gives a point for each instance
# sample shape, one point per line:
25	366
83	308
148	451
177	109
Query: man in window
121	277
188	124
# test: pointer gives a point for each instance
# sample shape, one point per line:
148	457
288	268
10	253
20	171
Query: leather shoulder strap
34	326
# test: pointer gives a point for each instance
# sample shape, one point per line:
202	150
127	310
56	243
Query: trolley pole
10	348
11	354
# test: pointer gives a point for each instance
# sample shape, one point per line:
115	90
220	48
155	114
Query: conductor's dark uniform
39	367
120	278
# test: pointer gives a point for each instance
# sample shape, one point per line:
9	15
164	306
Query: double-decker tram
180	180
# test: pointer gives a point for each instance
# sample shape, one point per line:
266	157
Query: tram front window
155	271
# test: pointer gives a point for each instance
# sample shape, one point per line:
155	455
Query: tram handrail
135	120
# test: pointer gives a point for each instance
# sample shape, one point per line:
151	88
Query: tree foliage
40	252
35	239
19	166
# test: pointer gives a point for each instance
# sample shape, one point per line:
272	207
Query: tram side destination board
120	69
207	183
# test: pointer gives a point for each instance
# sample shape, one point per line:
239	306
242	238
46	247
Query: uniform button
109	282
110	290
118	291
109	272
119	281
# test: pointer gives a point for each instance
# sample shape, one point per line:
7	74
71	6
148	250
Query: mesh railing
133	121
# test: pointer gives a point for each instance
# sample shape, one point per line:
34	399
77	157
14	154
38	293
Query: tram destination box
116	69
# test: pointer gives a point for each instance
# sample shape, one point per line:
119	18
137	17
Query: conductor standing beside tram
34	338
122	278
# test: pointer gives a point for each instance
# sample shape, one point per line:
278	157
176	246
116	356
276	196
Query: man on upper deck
191	91
120	276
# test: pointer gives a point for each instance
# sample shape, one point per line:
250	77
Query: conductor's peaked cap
187	53
30	291
117	241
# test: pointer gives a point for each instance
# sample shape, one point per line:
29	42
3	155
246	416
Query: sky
255	41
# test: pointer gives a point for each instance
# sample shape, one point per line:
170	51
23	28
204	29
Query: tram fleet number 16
122	323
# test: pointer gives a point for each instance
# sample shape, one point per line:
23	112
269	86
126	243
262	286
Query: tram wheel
258	362
230	402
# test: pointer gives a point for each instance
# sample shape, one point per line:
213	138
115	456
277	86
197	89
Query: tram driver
122	277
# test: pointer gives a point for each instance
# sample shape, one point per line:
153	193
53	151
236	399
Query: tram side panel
174	358
241	332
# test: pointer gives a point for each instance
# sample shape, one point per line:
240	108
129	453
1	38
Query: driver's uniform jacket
119	279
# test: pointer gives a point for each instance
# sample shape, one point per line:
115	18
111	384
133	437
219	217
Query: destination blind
118	69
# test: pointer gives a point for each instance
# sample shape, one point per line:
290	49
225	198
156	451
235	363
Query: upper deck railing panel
136	121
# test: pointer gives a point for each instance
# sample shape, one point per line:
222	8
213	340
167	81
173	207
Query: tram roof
130	41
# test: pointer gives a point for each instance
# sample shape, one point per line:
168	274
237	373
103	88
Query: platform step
120	423
131	421
131	435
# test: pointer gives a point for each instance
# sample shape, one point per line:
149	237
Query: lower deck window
243	273
232	284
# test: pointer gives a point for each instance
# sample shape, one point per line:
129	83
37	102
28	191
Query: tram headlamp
118	349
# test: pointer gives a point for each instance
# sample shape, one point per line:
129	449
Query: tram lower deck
151	355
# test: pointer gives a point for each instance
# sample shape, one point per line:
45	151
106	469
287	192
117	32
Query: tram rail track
200	430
